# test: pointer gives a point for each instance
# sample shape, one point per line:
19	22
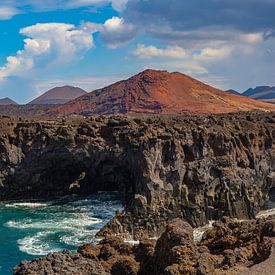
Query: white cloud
148	52
176	52
171	58
50	44
7	12
114	32
252	38
214	53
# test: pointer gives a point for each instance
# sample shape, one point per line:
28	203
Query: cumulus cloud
148	52
50	44
115	32
176	52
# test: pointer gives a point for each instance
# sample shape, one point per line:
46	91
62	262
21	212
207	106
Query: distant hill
158	92
59	95
263	93
7	101
231	91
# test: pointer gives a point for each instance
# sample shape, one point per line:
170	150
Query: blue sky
92	43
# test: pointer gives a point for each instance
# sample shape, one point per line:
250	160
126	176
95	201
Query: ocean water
34	229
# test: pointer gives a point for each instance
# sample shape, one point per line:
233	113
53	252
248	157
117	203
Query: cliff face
198	168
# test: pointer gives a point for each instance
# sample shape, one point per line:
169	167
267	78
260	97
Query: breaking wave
62	224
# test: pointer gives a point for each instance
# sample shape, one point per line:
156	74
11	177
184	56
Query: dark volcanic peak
7	101
252	91
264	93
159	92
59	95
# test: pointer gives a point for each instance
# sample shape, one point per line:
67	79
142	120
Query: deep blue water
31	230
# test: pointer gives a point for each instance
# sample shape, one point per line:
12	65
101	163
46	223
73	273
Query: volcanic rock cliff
197	168
159	92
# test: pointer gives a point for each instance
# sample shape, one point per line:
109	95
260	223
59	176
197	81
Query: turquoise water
31	230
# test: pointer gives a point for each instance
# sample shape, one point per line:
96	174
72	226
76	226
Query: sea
30	230
33	229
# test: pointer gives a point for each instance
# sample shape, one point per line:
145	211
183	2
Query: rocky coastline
192	168
230	247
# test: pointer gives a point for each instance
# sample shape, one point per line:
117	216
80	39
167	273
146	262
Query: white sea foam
78	221
79	237
76	230
36	244
60	224
26	204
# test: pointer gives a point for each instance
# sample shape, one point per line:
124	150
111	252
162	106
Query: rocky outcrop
246	243
192	167
175	252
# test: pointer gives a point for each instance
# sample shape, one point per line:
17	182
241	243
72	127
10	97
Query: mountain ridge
7	101
263	93
58	95
159	92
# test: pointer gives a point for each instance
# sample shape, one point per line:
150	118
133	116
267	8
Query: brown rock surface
63	263
174	253
246	243
159	92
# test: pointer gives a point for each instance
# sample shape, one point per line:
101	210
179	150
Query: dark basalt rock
165	167
60	263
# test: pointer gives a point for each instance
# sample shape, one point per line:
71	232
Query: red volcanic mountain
59	95
159	92
7	101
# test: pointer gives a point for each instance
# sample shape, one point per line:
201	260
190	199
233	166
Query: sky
93	43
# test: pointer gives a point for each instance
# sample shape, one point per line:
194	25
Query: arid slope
159	92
